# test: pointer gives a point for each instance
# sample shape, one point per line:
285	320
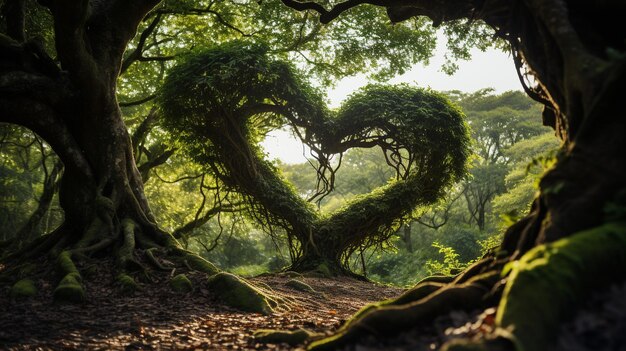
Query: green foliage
450	263
219	126
500	185
26	162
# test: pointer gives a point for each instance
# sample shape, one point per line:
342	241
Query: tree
220	101
575	52
64	65
31	173
74	108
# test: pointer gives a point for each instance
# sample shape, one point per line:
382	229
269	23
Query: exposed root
238	293
70	288
127	283
181	284
301	286
125	260
293	338
389	319
195	262
548	283
24	288
155	261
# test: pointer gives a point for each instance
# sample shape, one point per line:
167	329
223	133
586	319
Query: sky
490	69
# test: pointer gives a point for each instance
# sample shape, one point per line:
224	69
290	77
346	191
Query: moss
549	282
181	284
24	288
426	287
198	263
300	286
27	269
292	274
127	283
65	264
293	338
70	289
192	260
237	293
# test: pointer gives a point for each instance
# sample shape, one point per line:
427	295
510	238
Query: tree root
127	283
239	293
302	286
549	282
181	284
389	319
293	338
149	253
24	288
195	262
70	288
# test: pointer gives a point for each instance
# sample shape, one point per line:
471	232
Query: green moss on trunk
548	283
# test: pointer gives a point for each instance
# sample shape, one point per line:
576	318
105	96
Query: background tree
65	66
219	127
575	52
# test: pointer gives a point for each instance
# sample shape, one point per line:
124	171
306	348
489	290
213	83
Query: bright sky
489	69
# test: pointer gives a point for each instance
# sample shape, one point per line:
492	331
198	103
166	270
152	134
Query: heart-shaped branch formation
220	102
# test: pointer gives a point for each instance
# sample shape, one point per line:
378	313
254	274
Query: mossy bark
576	54
70	101
549	283
239	293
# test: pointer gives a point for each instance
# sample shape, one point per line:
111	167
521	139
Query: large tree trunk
74	108
575	50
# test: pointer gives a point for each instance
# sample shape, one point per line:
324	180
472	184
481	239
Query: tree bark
74	108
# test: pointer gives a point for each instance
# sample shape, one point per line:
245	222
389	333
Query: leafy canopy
219	102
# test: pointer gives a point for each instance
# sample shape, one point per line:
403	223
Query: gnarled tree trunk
74	108
577	54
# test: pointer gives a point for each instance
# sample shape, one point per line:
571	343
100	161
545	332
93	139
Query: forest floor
157	318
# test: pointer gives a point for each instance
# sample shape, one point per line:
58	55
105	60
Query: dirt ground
156	318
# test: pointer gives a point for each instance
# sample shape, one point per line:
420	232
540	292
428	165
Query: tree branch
137	102
207	10
126	15
138	52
